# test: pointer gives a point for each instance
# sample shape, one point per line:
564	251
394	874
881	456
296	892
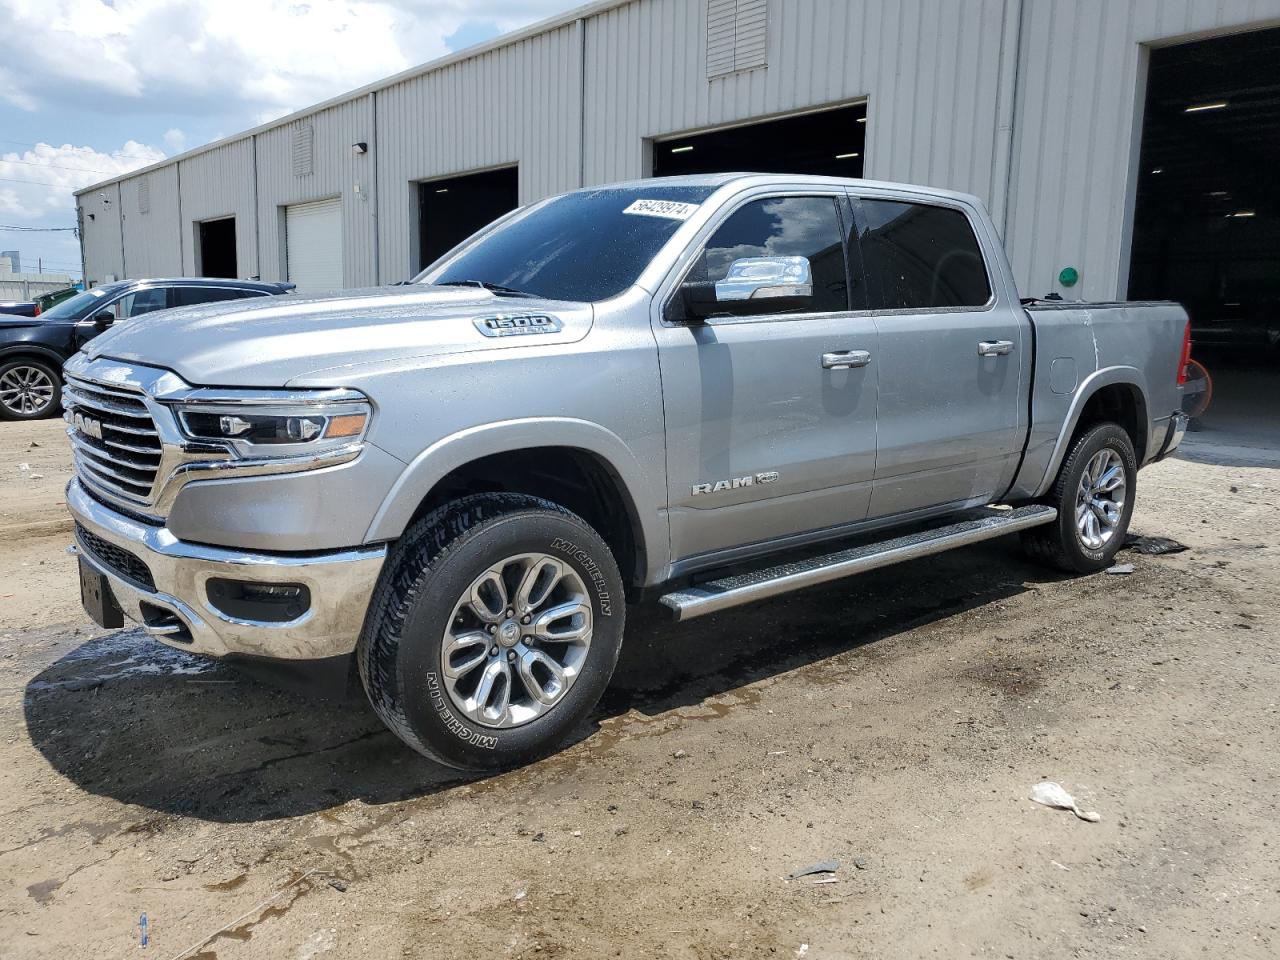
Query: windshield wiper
486	285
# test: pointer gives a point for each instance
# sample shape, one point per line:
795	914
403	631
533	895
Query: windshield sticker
668	209
518	325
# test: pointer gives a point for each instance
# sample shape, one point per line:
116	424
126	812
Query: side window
920	257
783	227
190	296
141	301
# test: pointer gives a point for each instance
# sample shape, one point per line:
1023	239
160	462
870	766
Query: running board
733	591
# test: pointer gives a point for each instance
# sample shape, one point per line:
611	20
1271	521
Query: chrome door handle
845	359
995	348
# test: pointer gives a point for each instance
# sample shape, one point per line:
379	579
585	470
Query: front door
763	439
951	353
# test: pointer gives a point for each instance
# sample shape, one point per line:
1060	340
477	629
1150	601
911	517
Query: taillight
37	313
1186	354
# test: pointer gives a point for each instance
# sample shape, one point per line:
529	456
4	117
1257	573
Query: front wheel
493	632
29	390
1094	494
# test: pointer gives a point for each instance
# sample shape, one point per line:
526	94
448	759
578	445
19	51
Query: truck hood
273	341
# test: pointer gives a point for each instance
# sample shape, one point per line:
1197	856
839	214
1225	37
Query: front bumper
174	607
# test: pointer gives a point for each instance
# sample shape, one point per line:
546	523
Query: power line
35	183
57	166
14	228
109	153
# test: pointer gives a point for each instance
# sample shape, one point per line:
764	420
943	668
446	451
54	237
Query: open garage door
1207	221
827	143
452	209
313	245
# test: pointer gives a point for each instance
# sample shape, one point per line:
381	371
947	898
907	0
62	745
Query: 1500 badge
736	483
517	324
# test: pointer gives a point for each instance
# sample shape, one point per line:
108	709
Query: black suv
33	349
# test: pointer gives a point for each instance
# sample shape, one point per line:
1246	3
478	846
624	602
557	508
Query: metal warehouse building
1128	140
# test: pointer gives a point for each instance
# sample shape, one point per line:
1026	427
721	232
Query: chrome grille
125	461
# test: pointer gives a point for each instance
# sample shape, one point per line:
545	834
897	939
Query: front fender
458	449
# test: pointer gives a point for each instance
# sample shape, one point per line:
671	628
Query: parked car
654	389
33	350
19	308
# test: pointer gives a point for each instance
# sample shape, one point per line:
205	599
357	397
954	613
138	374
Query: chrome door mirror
766	278
753	285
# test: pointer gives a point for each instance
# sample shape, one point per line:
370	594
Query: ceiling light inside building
846	156
681	149
1242	214
1206	107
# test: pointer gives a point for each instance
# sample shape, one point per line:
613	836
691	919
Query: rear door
313	245
763	440
950	348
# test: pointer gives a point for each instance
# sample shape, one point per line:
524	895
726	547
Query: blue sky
92	88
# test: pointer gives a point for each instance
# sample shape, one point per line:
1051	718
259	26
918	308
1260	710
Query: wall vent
144	195
737	36
303	141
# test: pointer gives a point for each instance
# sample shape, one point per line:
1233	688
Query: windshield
584	246
79	306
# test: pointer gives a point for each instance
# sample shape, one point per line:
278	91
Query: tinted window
81	305
918	257
806	227
582	246
141	301
189	296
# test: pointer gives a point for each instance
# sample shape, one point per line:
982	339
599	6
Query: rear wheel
29	390
493	632
1094	494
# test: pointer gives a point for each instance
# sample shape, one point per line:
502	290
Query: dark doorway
829	143
453	209
1207	221
218	248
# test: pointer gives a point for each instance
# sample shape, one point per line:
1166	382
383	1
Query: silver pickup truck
671	389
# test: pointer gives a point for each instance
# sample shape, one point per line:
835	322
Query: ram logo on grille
87	425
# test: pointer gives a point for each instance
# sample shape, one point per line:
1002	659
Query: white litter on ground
1053	795
129	653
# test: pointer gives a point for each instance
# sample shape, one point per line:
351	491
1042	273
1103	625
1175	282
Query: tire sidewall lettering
592	569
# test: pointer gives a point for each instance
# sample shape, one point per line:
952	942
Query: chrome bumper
1177	430
178	612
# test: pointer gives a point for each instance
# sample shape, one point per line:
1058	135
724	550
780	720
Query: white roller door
313	245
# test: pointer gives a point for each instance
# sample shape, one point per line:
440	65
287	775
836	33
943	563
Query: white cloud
175	140
250	58
38	184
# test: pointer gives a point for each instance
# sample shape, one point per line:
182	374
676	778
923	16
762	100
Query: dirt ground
894	722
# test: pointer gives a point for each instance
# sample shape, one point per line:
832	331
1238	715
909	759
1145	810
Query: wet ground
894	722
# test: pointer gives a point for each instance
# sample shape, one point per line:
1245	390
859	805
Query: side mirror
753	285
103	320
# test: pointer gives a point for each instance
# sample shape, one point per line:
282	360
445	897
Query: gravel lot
894	722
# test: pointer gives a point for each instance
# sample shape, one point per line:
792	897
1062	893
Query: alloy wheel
26	390
517	640
1100	499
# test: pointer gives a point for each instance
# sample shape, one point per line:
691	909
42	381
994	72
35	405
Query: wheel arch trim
459	449
1123	376
36	351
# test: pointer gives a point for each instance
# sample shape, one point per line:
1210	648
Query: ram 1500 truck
672	389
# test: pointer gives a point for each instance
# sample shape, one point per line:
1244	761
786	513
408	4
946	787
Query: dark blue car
33	349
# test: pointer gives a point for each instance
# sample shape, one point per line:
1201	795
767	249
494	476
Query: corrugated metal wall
149	205
214	184
337	170
929	68
520	104
99	218
581	102
1082	86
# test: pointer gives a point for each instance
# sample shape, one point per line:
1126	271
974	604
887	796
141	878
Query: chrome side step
733	591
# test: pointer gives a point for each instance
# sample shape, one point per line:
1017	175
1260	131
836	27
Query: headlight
275	423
